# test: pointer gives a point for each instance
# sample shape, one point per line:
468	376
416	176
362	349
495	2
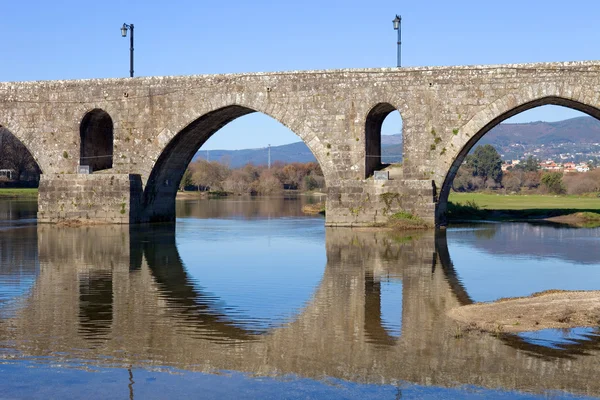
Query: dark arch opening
442	204
96	132
158	199
374	159
18	167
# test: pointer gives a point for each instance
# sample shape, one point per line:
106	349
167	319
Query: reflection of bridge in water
126	299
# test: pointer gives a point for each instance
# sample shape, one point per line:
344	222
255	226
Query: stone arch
490	117
97	136
373	124
23	163
161	188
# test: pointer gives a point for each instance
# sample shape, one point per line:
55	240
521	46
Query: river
250	298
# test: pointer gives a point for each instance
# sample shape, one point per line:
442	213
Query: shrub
552	181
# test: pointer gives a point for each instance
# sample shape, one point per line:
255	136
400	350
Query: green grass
18	193
590	216
478	206
526	202
403	220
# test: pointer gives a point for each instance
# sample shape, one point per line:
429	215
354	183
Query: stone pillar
370	202
93	199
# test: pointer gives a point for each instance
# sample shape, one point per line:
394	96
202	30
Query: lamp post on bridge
398	27
124	29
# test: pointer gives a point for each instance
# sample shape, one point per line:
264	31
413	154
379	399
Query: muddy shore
551	309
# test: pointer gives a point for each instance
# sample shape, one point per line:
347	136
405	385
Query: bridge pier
118	199
368	202
94	199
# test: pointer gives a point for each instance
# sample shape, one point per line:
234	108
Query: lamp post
124	29
398	27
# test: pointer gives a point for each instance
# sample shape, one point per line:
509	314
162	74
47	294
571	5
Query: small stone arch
97	138
490	117
373	124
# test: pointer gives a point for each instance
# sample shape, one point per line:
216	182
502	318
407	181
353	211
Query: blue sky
69	39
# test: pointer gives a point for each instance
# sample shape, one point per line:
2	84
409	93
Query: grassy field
19	193
526	202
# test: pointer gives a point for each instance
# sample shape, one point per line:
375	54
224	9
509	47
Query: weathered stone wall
159	122
101	198
368	201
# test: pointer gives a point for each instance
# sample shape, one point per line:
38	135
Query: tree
313	181
532	164
532	180
209	174
186	179
268	183
238	182
486	163
511	182
466	181
553	182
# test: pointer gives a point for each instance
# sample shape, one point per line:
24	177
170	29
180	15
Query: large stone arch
500	110
161	187
27	141
27	145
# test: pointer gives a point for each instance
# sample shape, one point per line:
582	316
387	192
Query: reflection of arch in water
375	330
18	258
190	302
96	305
159	248
569	350
158	245
355	262
441	248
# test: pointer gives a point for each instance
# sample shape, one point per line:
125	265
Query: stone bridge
138	135
149	312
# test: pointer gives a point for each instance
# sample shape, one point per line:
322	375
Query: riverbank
572	210
204	195
18	193
553	309
489	201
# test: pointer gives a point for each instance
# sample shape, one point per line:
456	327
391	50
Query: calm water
252	299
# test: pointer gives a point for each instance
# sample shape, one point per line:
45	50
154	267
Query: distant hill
574	130
575	139
575	135
288	153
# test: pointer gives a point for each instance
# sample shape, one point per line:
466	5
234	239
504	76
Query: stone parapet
89	199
